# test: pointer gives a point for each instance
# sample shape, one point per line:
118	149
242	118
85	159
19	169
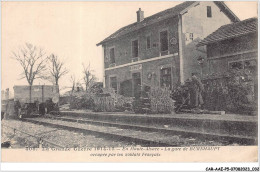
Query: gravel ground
17	140
64	138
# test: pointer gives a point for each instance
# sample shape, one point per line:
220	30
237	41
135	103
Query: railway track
173	131
40	141
139	134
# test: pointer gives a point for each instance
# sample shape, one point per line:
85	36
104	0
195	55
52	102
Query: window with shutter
209	12
113	83
112	55
164	42
148	42
166	77
135	48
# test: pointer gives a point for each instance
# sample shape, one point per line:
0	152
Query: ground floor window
113	83
243	64
236	65
136	79
250	64
166	78
126	88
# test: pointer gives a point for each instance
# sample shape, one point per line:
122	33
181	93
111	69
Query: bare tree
73	83
89	77
33	61
56	68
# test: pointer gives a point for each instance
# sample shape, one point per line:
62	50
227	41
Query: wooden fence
104	104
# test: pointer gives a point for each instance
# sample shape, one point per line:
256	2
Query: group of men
191	93
42	108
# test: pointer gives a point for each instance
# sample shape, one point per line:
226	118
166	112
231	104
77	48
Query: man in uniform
195	92
17	107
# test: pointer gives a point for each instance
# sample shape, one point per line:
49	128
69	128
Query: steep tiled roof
231	31
149	20
171	12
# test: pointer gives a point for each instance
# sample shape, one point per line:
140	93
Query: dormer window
135	48
209	12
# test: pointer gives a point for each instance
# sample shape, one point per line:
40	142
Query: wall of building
123	49
234	45
150	72
38	92
5	94
195	21
222	53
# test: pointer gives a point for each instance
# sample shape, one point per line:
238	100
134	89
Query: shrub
240	92
110	101
142	105
161	101
181	95
232	91
77	103
82	101
103	104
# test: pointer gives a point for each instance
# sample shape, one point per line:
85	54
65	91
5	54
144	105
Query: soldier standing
17	107
195	92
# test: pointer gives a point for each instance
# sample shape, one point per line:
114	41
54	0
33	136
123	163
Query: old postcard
129	81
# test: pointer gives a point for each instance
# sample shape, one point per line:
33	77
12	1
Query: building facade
232	46
161	50
41	93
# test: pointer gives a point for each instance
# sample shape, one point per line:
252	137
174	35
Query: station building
160	50
232	46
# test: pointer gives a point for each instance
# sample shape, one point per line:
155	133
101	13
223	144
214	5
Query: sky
71	31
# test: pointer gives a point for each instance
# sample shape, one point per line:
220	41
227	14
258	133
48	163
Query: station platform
226	124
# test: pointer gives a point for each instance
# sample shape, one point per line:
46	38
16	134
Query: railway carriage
31	101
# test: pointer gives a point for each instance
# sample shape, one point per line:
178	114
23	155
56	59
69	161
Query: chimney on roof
140	15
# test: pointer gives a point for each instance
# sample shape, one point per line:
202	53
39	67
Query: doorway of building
136	84
126	88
